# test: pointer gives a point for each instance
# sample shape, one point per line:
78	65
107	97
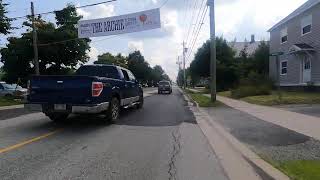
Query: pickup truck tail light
97	88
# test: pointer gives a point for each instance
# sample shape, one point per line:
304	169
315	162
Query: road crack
174	155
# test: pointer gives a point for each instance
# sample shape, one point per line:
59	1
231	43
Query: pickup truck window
100	71
131	76
1	87
125	74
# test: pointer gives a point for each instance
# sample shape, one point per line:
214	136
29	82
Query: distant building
251	46
297	38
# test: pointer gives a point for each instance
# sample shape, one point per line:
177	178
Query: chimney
252	39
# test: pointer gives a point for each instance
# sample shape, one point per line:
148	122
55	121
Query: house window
284	35
306	25
283	67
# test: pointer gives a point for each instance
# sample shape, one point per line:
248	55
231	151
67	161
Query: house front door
306	68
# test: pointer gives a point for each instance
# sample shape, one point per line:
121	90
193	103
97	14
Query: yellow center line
16	146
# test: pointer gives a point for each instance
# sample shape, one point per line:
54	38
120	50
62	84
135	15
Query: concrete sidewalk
304	124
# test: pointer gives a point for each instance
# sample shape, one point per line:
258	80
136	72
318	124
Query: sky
180	19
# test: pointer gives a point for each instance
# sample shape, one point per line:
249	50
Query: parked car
95	89
12	90
164	86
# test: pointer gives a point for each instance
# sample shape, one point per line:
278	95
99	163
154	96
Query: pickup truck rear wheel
140	105
113	112
58	117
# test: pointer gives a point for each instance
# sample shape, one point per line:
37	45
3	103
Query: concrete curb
230	150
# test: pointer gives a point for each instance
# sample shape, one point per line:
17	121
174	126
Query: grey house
250	46
295	44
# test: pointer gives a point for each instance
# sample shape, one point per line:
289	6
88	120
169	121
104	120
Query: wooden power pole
35	42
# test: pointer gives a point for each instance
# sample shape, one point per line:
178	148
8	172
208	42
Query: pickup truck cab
95	89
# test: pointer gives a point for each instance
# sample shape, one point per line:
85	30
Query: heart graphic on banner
143	18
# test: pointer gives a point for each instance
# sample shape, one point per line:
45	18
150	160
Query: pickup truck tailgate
61	89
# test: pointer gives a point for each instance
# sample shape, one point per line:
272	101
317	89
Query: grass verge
301	169
203	100
5	101
286	98
298	169
225	94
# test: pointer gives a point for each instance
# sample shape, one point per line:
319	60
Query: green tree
180	79
60	52
108	58
227	75
261	58
5	22
139	67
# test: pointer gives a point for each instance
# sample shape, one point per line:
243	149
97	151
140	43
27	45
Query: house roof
302	47
306	6
239	46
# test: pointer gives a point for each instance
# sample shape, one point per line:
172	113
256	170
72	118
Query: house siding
294	75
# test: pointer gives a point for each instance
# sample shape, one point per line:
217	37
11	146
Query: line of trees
136	63
232	71
60	50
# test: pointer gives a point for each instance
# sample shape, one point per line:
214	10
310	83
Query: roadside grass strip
7	101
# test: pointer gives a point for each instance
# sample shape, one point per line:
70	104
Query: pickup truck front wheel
113	112
58	117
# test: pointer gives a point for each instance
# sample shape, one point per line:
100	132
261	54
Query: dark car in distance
164	87
95	89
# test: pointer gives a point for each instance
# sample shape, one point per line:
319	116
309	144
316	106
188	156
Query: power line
73	39
199	29
78	7
164	3
199	12
192	16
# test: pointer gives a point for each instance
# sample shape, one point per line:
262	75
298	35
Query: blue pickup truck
95	89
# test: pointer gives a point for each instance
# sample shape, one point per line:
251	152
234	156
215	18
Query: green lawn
287	98
4	101
225	93
204	101
301	170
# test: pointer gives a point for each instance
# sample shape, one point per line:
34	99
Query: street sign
128	23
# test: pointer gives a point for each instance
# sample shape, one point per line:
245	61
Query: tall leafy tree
139	67
108	58
5	22
226	66
59	49
261	58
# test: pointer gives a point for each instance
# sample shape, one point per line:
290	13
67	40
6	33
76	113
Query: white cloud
135	46
99	11
93	54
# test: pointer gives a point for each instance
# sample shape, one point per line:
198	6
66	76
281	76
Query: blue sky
234	19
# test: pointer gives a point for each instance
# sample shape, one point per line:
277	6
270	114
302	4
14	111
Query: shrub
255	84
245	91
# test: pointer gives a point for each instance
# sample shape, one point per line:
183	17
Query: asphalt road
160	141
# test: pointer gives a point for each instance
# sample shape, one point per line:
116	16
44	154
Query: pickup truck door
127	89
134	86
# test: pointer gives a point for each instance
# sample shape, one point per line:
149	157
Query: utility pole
179	62
213	60
184	66
35	41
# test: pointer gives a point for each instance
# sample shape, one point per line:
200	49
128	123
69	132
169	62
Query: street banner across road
128	23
